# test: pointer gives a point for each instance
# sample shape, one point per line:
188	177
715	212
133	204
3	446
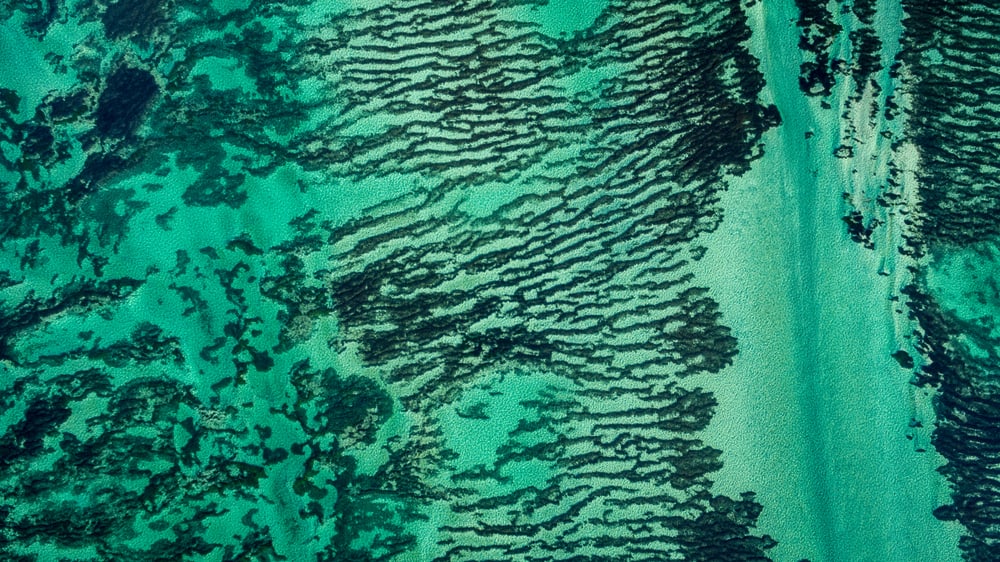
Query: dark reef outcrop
123	101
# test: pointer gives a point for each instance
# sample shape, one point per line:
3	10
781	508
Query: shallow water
495	280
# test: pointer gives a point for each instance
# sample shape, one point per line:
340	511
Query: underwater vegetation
633	280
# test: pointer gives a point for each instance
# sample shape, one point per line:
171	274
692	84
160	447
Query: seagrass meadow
499	280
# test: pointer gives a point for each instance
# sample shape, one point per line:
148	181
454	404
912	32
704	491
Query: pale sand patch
814	413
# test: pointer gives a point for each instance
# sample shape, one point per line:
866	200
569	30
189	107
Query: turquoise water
817	399
486	280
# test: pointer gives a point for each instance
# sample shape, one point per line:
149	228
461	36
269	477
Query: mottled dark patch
122	18
126	95
904	359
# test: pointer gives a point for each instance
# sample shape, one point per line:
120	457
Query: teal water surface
633	280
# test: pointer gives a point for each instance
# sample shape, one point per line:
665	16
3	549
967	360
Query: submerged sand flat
820	416
498	280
